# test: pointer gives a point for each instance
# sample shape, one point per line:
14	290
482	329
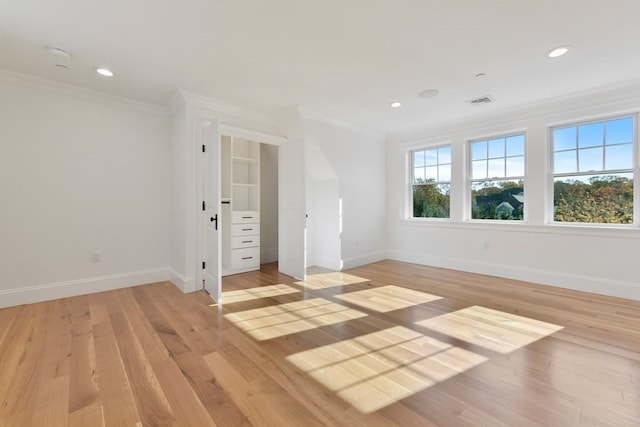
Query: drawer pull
247	257
247	241
247	229
247	217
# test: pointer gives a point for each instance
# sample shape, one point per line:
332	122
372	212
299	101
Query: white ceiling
348	59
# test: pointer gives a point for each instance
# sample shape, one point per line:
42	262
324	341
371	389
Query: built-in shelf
241	187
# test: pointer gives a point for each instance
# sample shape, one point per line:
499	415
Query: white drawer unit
238	242
245	229
245	241
245	217
245	258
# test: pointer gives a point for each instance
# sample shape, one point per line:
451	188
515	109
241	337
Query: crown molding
307	113
25	80
618	97
176	100
183	97
252	135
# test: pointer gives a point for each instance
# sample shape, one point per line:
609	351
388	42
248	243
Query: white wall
268	203
80	172
348	197
595	259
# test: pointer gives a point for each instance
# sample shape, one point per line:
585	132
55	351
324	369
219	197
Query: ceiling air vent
487	99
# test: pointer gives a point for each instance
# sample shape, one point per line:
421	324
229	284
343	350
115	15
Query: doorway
227	208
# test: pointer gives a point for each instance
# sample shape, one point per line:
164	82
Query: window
593	171
431	182
497	178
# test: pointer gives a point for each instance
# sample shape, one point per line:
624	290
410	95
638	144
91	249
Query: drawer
245	217
245	229
245	241
245	258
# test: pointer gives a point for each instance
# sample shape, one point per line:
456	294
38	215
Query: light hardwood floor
387	344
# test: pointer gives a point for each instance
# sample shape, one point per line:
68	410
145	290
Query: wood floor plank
263	406
184	402
26	375
145	333
222	409
192	337
53	409
119	404
83	376
152	404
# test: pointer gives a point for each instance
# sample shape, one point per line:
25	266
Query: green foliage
604	199
431	201
487	196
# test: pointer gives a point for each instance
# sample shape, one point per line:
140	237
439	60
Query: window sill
595	230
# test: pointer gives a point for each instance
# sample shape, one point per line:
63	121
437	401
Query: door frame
200	231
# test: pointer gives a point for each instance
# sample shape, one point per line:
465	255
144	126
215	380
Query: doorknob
214	219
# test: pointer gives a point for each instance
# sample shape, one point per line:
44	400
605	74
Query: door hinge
204	265
204	205
204	148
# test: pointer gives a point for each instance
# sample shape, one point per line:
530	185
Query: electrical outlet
96	257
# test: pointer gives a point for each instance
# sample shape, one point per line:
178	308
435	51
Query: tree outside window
593	170
431	182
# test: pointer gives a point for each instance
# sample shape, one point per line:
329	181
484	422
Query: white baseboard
331	264
363	259
597	285
185	284
51	291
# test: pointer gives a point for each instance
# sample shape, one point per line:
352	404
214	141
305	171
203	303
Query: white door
212	246
292	206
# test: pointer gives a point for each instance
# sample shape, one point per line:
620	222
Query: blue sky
594	146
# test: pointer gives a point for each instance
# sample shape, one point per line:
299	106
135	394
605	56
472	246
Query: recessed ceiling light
395	104
429	93
558	51
104	72
59	52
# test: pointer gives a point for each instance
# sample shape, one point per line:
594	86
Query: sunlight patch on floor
242	295
378	369
387	298
328	280
491	329
284	319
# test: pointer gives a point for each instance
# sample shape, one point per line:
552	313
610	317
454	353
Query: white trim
90	285
592	230
597	285
363	259
24	80
307	113
251	135
181	282
620	98
175	102
330	263
185	97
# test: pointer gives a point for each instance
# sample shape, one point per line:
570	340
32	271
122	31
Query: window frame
634	170
411	182
470	181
